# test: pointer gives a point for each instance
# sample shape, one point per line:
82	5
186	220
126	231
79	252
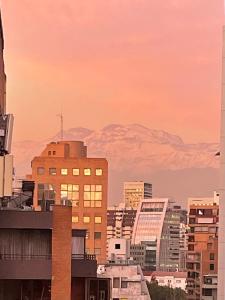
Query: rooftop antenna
61	125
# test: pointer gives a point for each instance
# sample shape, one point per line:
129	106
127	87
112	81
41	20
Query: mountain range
134	152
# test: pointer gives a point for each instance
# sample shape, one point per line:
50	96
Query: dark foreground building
43	258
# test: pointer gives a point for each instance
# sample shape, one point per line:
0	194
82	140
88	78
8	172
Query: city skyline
147	62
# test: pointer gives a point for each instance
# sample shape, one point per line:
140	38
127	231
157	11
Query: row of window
87	219
65	171
70	194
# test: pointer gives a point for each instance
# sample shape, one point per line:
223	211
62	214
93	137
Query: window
124	283
97	251
98	172
70	192
190	247
98	220
92	195
76	172
86	219
87	172
116	282
40	170
98	235
46	191
117	246
75	219
54	152
211	267
211	256
49	152
64	172
52	171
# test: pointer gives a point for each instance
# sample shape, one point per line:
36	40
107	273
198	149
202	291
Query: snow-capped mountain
135	152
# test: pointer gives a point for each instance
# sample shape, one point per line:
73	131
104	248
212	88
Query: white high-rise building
157	232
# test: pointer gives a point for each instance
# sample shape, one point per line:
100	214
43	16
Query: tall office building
156	235
135	191
63	174
202	256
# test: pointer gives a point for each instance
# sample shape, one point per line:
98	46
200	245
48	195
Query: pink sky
153	62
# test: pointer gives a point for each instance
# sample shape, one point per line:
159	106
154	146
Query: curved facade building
157	228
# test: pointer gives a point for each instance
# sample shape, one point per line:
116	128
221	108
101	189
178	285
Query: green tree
158	292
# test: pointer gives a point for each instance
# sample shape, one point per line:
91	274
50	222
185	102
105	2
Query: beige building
128	281
135	191
64	174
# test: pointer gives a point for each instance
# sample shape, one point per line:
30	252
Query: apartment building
42	257
63	174
202	256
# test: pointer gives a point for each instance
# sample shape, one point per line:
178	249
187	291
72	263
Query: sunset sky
153	62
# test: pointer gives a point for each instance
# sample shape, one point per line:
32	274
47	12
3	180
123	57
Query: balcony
84	265
39	267
14	266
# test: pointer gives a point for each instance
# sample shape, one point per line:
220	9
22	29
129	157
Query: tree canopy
158	292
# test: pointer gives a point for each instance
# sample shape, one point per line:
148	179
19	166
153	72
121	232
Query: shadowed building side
221	262
2	73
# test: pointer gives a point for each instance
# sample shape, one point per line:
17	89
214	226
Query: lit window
64	172
52	171
92	195
86	219
98	220
70	192
98	172
87	172
76	172
40	170
75	219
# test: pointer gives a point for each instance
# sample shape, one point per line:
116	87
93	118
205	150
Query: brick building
63	174
42	257
202	256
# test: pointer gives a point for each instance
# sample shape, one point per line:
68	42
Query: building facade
38	262
120	222
63	174
135	191
202	256
157	233
127	281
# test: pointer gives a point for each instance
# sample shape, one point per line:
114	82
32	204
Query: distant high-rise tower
135	191
221	261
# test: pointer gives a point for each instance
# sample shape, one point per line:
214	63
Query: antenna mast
61	126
